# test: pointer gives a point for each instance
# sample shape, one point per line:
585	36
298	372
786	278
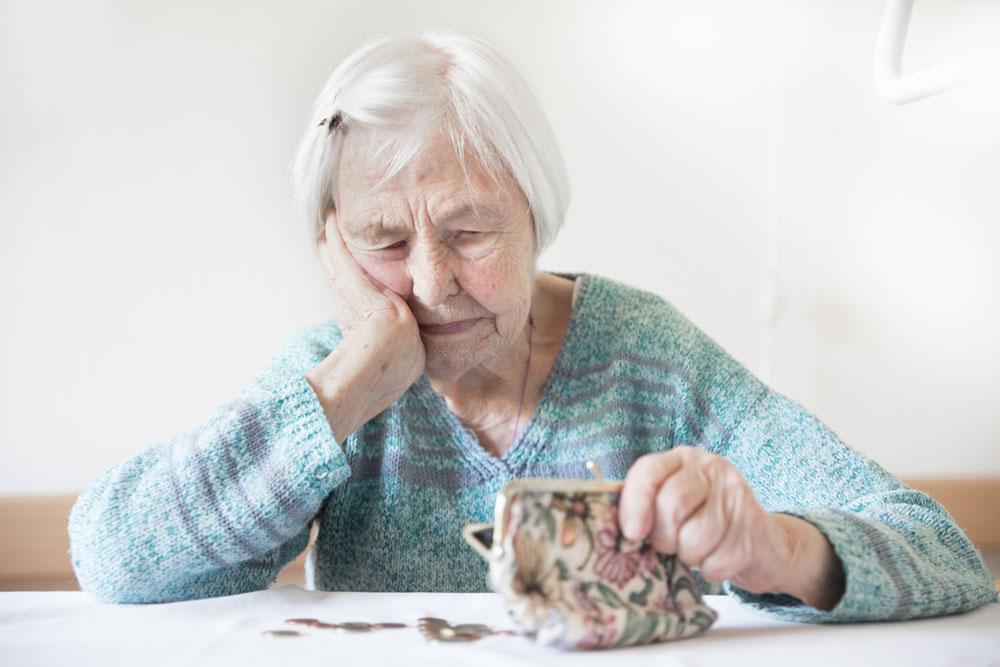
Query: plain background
733	157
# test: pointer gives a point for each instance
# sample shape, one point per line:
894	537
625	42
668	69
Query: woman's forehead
435	180
364	164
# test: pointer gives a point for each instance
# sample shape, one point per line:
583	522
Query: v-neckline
520	453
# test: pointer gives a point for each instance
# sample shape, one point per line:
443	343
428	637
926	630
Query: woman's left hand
697	505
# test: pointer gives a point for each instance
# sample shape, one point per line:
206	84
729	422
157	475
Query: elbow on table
118	584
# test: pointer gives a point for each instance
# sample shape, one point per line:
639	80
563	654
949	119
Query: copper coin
281	633
324	626
301	621
387	626
433	620
505	633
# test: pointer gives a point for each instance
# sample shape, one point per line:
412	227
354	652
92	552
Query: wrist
813	572
341	385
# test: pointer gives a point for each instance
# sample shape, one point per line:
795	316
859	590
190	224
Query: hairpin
333	121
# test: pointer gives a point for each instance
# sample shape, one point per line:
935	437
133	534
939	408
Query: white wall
149	264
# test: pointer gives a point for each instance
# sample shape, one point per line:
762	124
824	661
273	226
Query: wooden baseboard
34	551
973	502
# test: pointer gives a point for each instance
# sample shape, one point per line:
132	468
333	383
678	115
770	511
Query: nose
434	272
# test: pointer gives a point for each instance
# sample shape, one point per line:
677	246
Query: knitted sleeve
903	555
222	509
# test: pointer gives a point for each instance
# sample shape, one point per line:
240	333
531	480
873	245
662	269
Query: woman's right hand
381	353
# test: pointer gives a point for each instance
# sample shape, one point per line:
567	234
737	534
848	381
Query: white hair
416	85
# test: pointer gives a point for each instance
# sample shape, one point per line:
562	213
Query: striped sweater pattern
221	510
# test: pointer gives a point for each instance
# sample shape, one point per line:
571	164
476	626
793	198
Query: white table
68	628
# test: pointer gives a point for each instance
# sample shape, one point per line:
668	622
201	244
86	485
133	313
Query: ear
330	217
321	243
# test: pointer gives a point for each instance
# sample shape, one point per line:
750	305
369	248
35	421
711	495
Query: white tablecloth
68	628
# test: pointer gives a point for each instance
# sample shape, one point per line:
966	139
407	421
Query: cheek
391	274
501	285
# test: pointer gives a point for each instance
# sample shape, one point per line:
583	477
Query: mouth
448	328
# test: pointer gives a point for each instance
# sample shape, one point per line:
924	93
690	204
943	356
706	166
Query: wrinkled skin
433	272
453	250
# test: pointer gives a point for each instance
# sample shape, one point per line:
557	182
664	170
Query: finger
678	499
643	481
704	531
731	556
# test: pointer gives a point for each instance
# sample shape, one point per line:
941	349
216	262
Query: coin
324	626
355	627
433	630
432	626
432	619
505	633
454	638
387	626
281	633
301	621
474	629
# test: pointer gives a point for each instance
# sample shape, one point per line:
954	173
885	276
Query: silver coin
455	638
281	633
354	627
431	634
476	629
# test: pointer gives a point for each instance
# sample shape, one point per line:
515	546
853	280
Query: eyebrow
484	212
377	229
371	231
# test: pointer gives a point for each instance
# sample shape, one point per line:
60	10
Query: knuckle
716	466
639	477
654	465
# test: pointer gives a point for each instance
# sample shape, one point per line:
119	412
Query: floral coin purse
570	579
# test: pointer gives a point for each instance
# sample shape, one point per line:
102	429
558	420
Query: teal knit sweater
221	510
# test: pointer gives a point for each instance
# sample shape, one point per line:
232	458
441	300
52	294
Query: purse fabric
571	579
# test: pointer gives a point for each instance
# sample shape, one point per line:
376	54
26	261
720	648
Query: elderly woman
432	180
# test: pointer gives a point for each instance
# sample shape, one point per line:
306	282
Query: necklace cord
524	385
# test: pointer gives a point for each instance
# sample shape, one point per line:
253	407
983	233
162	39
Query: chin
444	361
456	358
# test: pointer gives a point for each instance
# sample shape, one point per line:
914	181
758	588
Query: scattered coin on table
354	627
431	627
475	629
453	638
432	620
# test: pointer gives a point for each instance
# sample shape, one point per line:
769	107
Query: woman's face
458	250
